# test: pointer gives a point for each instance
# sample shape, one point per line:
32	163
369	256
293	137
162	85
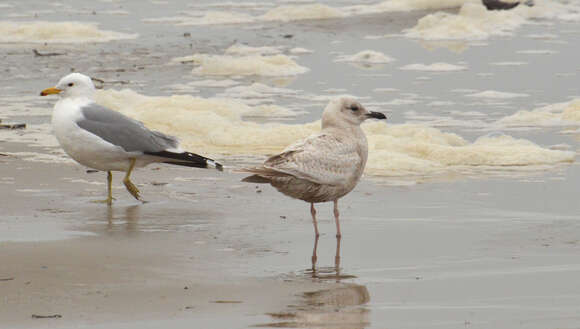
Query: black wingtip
187	159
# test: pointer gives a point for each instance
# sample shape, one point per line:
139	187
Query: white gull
106	140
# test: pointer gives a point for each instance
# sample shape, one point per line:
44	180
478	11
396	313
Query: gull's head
347	111
72	85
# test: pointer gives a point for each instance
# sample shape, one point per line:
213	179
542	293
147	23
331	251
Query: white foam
509	63
300	51
400	150
441	103
279	14
335	90
302	12
210	83
493	94
366	56
271	111
435	67
115	12
225	65
245	50
167	20
385	90
403	5
217	126
559	114
232	4
297	11
57	32
257	93
474	22
543	36
463	90
215	18
400	101
537	52
373	37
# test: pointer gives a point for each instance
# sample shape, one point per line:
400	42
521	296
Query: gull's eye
353	107
70	84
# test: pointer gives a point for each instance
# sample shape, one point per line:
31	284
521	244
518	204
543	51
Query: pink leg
338	234
316	235
313	212
338	237
337	257
314	257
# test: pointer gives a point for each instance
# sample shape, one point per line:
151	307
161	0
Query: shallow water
449	85
467	216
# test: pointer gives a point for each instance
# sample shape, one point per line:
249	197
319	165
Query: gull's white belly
85	147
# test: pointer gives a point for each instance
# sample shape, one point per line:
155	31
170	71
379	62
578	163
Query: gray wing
123	131
321	159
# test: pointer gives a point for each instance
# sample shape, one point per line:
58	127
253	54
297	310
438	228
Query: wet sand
181	258
209	251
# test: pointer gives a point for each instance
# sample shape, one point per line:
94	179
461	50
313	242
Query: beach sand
209	251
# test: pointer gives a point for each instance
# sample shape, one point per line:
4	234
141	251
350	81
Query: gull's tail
256	179
261	175
187	159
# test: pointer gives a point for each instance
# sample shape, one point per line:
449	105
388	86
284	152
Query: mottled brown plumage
323	167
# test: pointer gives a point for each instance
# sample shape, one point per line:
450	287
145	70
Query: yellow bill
50	91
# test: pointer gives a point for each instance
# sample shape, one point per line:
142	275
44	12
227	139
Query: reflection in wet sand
130	217
327	272
339	307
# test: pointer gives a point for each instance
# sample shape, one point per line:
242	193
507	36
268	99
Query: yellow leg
109	188
128	184
109	199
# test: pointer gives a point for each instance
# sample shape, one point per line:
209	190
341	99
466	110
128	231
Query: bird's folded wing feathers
123	131
321	159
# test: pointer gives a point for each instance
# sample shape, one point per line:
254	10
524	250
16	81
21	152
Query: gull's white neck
67	111
70	105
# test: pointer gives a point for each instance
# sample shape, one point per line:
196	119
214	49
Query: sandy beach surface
209	251
166	262
467	216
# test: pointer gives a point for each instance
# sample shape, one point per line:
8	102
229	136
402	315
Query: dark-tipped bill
50	91
377	115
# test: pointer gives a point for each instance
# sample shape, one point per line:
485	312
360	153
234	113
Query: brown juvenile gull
325	166
106	140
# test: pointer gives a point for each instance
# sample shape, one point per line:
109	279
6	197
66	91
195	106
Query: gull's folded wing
123	131
322	159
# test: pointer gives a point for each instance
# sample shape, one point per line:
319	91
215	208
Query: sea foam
217	126
57	32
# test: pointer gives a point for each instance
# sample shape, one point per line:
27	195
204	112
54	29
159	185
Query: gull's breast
81	145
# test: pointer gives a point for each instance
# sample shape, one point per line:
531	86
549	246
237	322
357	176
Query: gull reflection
338	307
328	272
130	218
